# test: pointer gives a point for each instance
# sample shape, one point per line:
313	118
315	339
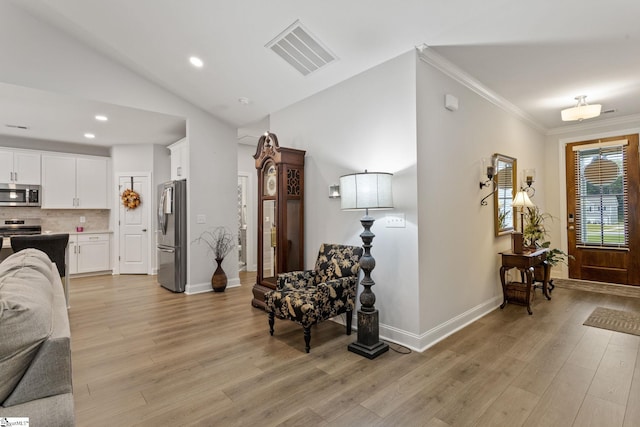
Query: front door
602	210
134	235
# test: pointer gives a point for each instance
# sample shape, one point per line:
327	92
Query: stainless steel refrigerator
172	235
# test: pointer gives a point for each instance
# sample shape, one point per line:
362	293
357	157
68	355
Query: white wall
458	251
442	270
366	122
48	59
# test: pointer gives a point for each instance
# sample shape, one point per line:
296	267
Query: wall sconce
528	178
334	191
488	170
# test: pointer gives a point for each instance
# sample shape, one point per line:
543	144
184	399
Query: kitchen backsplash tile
61	220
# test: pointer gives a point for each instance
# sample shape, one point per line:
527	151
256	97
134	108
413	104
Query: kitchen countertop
6	242
74	233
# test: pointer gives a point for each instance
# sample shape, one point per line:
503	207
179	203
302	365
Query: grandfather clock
280	213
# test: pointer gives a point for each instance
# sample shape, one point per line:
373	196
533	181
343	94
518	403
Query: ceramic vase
219	278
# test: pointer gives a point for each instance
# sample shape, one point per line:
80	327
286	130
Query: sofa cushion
26	313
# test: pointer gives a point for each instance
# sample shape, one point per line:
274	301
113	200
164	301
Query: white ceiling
538	55
55	117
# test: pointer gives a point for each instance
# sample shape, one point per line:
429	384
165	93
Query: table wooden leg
503	270
529	274
545	283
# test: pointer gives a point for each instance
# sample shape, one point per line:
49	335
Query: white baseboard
428	339
451	326
200	288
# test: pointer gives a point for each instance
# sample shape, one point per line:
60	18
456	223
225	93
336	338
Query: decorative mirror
505	180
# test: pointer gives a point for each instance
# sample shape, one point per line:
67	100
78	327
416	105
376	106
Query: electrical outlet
201	219
396	220
83	220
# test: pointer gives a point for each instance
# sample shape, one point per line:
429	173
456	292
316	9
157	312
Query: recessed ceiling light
89	135
196	62
101	118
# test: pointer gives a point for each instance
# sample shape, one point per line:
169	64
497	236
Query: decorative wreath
130	199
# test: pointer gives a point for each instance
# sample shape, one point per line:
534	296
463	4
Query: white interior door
133	230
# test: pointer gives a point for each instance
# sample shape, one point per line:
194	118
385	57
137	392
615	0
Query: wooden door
602	210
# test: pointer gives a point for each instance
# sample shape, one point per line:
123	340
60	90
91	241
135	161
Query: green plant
534	230
535	233
556	256
220	241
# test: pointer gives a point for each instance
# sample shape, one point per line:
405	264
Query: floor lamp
368	190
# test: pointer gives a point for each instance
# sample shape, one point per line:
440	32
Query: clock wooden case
280	213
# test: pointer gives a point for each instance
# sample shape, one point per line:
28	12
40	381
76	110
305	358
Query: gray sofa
35	348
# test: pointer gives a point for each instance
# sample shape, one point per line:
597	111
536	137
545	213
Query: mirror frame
500	228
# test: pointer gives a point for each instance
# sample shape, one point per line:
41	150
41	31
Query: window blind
601	217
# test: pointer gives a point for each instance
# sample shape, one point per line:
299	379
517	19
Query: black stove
20	227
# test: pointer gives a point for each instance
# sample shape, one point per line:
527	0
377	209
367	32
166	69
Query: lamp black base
370	352
368	344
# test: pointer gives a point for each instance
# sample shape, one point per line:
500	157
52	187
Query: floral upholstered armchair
311	296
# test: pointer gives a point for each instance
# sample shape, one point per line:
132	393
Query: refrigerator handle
161	214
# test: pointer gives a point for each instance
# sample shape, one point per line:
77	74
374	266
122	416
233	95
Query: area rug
615	320
598	287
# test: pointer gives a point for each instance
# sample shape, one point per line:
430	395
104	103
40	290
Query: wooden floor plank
145	356
596	412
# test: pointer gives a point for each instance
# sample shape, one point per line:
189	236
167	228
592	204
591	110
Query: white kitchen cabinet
179	159
19	167
73	254
73	182
89	253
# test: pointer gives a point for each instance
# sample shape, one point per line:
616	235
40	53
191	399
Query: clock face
270	183
271	186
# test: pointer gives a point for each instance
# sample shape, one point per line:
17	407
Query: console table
520	292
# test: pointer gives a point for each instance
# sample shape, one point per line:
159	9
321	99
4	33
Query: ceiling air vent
300	49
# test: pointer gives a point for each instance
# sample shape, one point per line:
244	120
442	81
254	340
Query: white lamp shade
581	112
368	190
522	200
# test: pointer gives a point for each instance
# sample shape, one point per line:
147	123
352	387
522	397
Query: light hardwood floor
144	356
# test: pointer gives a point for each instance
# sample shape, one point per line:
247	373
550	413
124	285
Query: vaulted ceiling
538	55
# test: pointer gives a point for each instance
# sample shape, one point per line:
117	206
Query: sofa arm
49	374
295	279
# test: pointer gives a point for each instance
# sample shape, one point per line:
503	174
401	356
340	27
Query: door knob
571	227
144	229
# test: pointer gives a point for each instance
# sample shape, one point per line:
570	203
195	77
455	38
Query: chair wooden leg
307	338
272	318
349	320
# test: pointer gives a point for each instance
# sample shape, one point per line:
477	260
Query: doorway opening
242	222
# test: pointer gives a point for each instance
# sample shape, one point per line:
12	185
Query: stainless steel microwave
19	195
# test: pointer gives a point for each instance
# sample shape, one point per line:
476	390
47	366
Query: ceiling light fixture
196	62
89	135
581	111
101	118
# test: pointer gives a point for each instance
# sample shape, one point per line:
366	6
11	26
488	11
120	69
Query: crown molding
614	121
431	57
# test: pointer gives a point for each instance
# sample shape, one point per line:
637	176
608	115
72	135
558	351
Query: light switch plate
201	219
396	220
